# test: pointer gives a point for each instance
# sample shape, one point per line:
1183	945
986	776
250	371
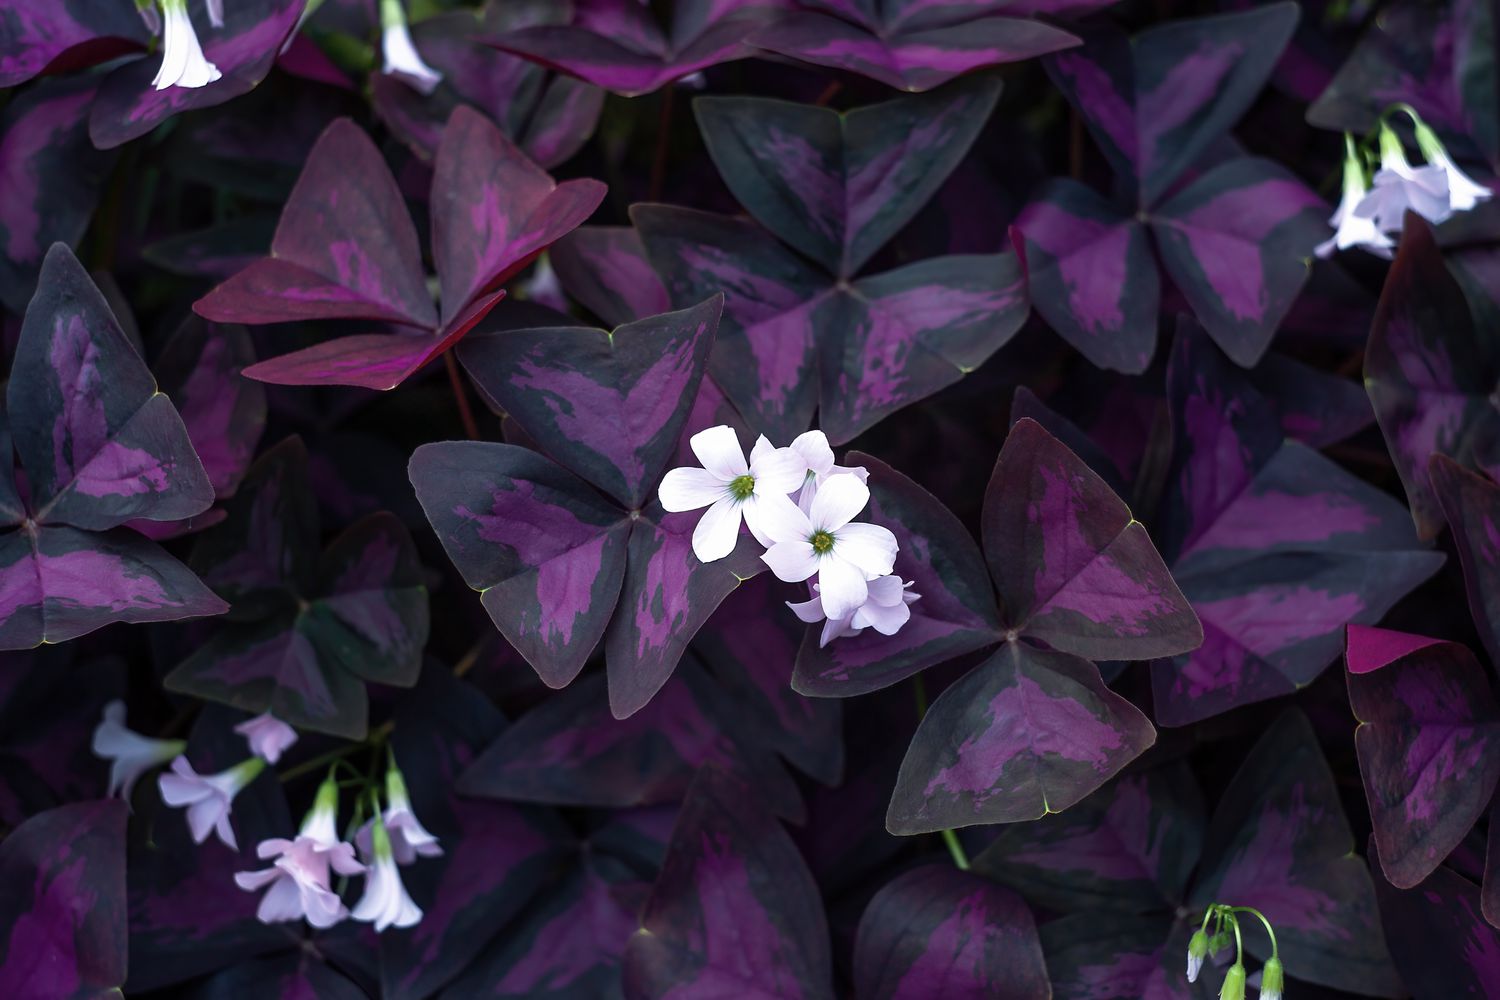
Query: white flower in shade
815	450
409	839
298	879
1197	952
215	12
402	60
268	736
1399	186
887	607
1272	979
731	488
182	61
385	902
1463	191
130	754
208	797
1353	230
844	556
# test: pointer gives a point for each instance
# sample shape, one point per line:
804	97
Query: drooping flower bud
1197	952
183	63
1234	983
1463	191
1353	229
402	60
1272	980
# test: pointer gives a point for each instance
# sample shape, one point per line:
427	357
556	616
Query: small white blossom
208	797
268	736
215	12
1464	193
886	609
409	838
815	450
1399	186
731	489
1354	230
130	754
844	556
402	60
298	879
182	61
385	902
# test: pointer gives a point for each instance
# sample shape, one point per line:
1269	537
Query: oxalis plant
704	499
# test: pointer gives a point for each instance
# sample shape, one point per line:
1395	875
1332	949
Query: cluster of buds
1375	201
1227	929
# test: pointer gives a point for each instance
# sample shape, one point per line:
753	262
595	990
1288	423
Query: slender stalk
1262	918
461	396
950	839
377	736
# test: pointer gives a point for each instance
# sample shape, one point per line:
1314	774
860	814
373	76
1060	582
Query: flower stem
461	396
376	737
950	839
1262	918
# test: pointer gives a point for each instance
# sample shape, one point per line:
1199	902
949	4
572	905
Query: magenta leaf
610	406
938	925
1027	732
605	268
734	912
55	36
1471	505
1427	743
1438	937
1113	956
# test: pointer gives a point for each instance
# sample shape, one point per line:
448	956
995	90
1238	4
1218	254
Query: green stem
960	857
919	691
376	738
1262	918
1239	945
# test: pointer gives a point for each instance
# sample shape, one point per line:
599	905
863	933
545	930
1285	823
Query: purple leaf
299	974
99	444
1118	957
1091	275
60	36
1316	407
605	268
956	614
62	903
1279	841
570	751
1438	937
1471	505
1073	567
911	58
936	928
1154	103
734	912
1237	241
622	47
1027	732
609	406
129	107
834	186
1427	744
1430	373
1130	847
53	178
547	557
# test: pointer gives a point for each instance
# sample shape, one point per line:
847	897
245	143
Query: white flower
1354	230
130	754
844	556
385	902
814	449
402	60
1194	967
299	877
268	736
1400	186
887	607
182	61
729	488
409	839
208	797
1463	191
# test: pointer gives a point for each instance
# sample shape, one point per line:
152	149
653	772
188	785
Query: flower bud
1197	952
1234	983
1272	980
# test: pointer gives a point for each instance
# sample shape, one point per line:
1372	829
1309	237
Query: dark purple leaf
129	107
1130	847
53	176
915	57
837	186
609	406
937	931
299	974
39	37
1237	242
1471	505
1118	957
605	268
1074	569
1316	407
1091	275
62	903
734	912
1156	102
1027	732
1431	373
1438	938
1428	739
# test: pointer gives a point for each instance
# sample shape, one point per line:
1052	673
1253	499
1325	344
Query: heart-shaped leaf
1471	505
734	912
609	405
936	924
62	903
606	269
1027	732
1429	746
43	36
1439	938
1112	956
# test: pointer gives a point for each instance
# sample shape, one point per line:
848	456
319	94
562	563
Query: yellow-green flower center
740	487
822	542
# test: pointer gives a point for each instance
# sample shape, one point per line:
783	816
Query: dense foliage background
311	416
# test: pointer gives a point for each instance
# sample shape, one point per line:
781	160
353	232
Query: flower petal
841	584
775	519
839	499
885	619
778	472
718	449
869	546
688	488
792	561
815	451
810	612
717	531
886	591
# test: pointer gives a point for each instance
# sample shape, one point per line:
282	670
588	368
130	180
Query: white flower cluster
1373	208
800	506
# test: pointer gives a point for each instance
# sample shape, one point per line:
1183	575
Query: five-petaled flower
385	902
731	489
1352	228
814	449
1399	186
268	736
823	541
208	797
130	754
298	879
887	607
409	838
